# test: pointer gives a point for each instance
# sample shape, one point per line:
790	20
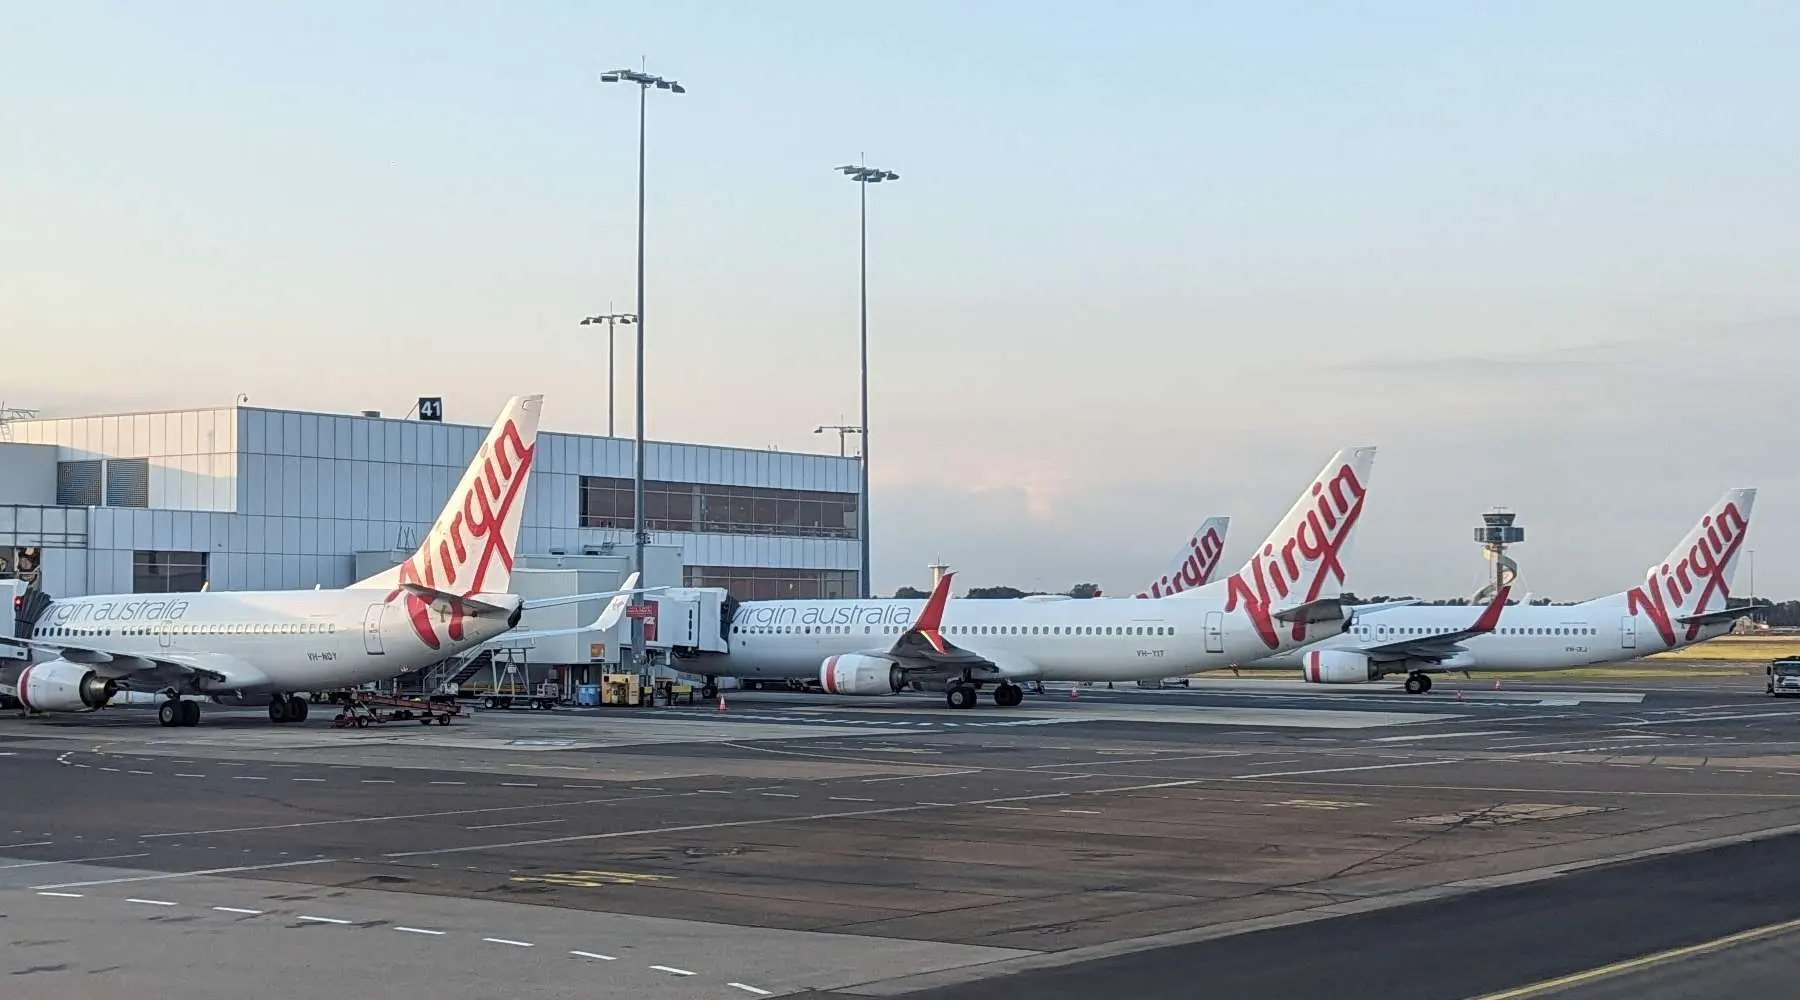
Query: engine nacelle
61	686
1337	666
853	673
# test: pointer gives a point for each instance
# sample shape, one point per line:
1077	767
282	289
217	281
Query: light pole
864	176
610	319
844	431
644	82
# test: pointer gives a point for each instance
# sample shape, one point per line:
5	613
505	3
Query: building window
762	583
167	572
128	482
20	563
730	510
78	483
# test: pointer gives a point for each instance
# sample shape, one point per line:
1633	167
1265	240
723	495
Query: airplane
234	647
1683	600
1286	596
1195	564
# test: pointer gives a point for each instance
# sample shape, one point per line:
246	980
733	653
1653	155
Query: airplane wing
1443	645
137	671
608	617
630	588
923	652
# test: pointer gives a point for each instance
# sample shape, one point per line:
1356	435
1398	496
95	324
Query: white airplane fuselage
1528	637
291	640
1102	639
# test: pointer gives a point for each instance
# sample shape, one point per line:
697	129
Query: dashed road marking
239	910
323	920
518	784
418	930
590	954
151	902
62	895
846	798
748	989
671	970
184	775
507	941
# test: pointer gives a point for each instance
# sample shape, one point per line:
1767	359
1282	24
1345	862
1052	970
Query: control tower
1497	531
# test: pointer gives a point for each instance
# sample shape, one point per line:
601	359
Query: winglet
615	608
1490	616
932	617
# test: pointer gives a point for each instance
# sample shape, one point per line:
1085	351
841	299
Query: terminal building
249	498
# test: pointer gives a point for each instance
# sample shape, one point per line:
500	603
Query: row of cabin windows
961	629
1384	630
284	628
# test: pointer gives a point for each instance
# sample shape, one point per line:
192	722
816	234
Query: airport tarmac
1493	839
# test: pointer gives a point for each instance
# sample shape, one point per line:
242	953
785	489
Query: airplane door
165	634
1628	632
372	630
1215	632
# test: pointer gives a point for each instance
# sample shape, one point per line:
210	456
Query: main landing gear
1418	683
287	708
964	695
175	712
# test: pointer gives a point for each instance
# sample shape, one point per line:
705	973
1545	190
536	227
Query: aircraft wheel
190	713
296	709
960	696
278	709
169	713
709	691
1417	683
1008	695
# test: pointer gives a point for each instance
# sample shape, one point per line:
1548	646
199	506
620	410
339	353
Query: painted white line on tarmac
192	874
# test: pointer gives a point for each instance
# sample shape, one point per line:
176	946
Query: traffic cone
1496	685
1459	694
1072	692
721	702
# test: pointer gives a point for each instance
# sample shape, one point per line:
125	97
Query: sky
1145	262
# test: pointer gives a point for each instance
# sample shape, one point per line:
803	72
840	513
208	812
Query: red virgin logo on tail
1698	577
1319	538
1202	558
456	558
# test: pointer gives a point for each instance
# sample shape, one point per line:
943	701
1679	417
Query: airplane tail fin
469	549
1196	562
1297	573
1692	584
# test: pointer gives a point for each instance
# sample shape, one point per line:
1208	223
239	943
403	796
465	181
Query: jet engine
61	686
854	673
1338	666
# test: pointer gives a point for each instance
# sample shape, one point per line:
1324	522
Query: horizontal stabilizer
1714	617
1328	609
468	607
